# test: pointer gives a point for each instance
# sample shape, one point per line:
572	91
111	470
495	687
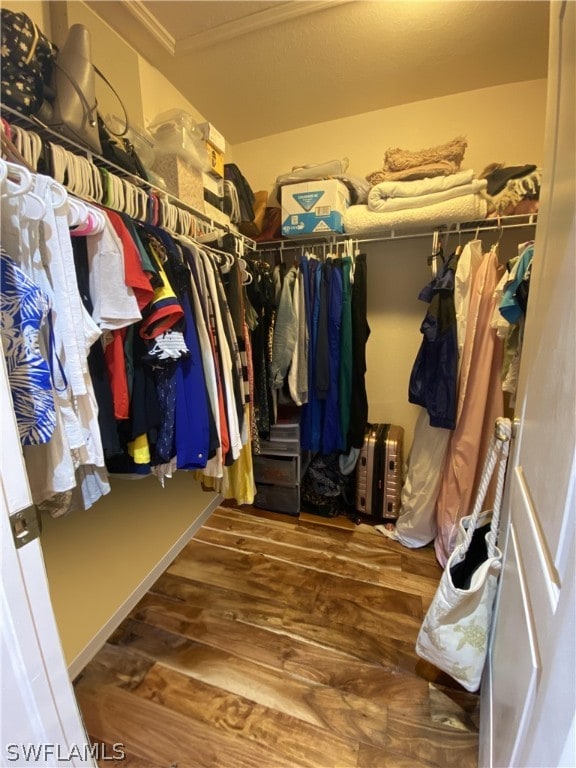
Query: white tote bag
454	633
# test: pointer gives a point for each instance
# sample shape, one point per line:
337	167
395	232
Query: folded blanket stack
406	165
359	219
389	196
512	189
448	196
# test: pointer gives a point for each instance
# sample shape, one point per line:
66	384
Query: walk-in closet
243	244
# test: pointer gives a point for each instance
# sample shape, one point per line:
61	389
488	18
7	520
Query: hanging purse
27	62
74	109
454	633
73	113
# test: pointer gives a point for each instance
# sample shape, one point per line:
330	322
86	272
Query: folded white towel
423	186
359	219
377	203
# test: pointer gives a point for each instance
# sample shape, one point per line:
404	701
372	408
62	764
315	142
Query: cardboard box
314	207
214	137
215	159
182	180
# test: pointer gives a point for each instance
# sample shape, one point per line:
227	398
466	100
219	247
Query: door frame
40	722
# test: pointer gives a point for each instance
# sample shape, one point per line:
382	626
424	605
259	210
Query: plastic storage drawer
277	499
276	470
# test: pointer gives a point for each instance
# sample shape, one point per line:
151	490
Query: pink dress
480	402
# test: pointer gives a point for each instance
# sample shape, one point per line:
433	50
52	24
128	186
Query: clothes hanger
458	250
436	248
99	219
17	181
77	213
59	194
500	230
6	128
208	237
92	223
29	144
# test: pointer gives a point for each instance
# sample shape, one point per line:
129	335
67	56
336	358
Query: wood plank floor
280	642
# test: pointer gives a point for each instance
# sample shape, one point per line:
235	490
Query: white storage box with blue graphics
314	207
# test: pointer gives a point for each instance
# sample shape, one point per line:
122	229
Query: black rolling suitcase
379	473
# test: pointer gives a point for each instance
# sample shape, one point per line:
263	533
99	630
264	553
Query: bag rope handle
126	121
498	449
92	110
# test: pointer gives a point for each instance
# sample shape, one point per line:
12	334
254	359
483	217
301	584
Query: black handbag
27	63
120	151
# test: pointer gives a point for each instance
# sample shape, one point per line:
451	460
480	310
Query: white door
529	693
40	724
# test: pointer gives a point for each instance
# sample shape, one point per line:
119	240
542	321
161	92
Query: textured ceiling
259	68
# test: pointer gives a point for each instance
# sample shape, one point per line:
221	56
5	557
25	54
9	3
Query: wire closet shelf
497	225
206	224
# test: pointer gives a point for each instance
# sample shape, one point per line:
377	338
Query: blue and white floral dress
24	309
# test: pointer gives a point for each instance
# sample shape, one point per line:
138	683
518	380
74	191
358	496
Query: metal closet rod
486	225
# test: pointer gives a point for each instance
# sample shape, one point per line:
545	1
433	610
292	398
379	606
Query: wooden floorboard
273	641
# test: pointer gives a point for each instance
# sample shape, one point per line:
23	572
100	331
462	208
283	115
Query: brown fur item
403	159
429	170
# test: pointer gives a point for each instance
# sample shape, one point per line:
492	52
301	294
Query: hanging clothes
480	402
434	373
25	309
261	293
96	360
332	439
346	354
285	331
318	373
298	372
73	457
360	334
466	269
416	525
192	439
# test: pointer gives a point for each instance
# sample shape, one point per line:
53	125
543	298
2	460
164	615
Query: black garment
500	176
360	334
232	346
145	412
261	296
246	196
